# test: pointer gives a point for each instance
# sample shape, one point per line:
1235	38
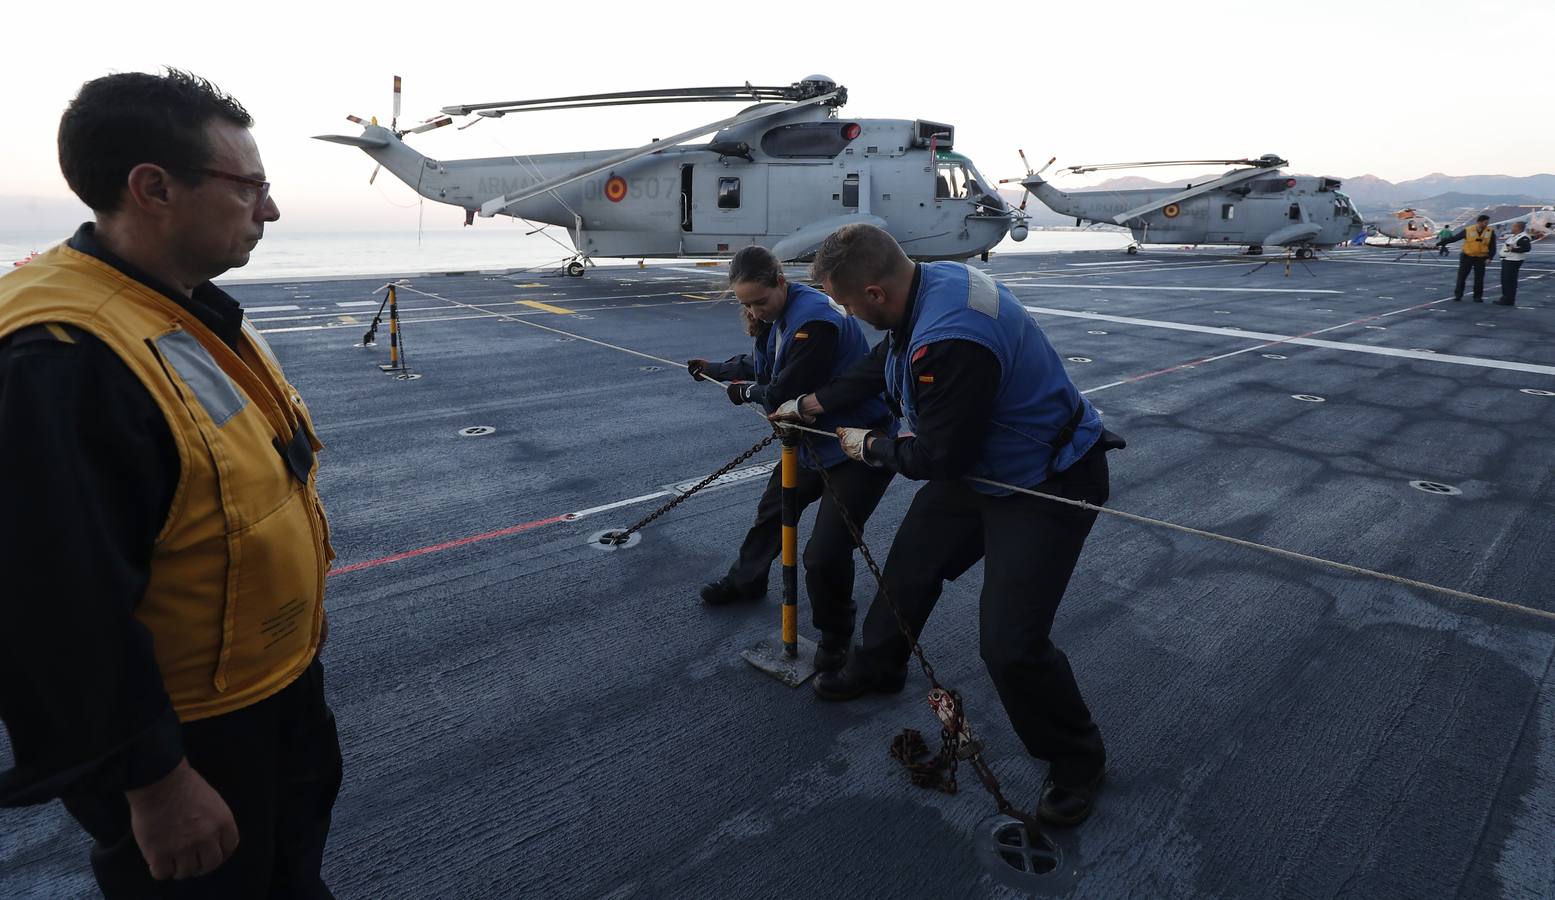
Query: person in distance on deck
802	340
981	393
1516	249
162	538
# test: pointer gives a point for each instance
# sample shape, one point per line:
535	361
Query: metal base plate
768	656
1048	867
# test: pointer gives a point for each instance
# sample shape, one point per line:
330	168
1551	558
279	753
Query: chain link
621	537
910	744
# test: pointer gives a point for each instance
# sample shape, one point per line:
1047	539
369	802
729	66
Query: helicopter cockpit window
956	181
728	193
809	139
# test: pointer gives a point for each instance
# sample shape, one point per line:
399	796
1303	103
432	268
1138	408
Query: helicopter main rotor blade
1180	196
1264	162
666	95
497	204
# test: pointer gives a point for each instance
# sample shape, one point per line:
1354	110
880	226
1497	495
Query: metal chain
955	735
620	537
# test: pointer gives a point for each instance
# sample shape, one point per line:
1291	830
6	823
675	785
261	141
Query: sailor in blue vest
803	340
982	394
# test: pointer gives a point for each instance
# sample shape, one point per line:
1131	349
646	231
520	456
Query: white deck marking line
1480	362
1116	262
358	302
1164	287
584	513
254	309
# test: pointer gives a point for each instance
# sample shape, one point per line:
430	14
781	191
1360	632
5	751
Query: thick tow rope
1104	510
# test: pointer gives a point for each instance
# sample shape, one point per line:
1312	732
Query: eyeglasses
261	188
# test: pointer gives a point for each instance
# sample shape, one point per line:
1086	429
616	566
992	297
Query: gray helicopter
1255	207
784	173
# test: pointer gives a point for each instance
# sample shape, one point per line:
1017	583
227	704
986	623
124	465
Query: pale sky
1397	90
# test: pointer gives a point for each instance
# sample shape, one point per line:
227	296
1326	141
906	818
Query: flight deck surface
526	715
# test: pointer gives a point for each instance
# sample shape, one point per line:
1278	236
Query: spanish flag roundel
1171	210
615	189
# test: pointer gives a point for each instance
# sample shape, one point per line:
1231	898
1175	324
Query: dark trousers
828	554
1509	269
277	765
1465	263
1029	547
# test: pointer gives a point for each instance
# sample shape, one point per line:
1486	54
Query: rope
1105	510
1250	545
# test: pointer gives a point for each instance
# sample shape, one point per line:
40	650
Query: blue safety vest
1037	404
805	305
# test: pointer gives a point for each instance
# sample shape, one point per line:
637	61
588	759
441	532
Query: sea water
286	254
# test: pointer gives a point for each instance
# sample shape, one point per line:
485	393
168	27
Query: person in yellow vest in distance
1479	245
163	542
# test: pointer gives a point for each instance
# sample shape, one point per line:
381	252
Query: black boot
723	592
1068	805
832	653
857	678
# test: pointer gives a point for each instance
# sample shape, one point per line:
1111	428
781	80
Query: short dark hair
855	256
755	263
1482	218
120	121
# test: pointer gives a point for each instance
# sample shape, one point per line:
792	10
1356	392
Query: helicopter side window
1228	211
954	182
1295	212
728	193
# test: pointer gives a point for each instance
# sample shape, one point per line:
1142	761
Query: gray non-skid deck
524	715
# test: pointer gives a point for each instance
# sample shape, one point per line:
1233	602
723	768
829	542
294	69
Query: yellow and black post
791	658
790	476
396	358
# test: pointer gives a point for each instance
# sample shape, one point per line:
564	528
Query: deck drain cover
476	431
652	368
407	376
606	540
1079	359
1307	398
1272	356
1435	487
1010	855
1096	332
1537	392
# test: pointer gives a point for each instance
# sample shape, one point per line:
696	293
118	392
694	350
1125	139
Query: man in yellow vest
162	540
1479	245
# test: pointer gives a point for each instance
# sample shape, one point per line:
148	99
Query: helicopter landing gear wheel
575	268
1133	250
1255	250
1303	252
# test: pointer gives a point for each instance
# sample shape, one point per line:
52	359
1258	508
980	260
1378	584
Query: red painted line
449	545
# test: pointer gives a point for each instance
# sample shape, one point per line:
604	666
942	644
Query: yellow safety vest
235	601
1477	241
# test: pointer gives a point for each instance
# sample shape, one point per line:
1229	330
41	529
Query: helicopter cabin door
727	205
1227	217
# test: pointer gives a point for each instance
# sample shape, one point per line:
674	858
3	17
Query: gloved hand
853	441
739	392
789	412
695	367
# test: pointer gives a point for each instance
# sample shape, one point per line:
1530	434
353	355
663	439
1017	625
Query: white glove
789	412
853	441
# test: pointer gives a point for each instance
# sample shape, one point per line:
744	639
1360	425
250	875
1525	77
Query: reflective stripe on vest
234	603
